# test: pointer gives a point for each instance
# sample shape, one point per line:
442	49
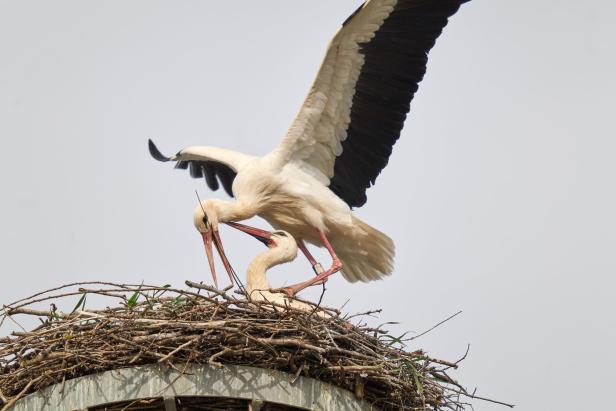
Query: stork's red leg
321	277
316	266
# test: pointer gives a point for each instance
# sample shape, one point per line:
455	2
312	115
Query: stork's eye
280	233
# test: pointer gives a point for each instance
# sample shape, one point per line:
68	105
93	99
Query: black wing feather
213	171
182	165
210	178
394	63
226	177
195	169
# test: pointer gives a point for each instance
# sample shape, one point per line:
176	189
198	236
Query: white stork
282	248
337	145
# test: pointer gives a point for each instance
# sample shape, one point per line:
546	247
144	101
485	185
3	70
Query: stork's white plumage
339	142
282	248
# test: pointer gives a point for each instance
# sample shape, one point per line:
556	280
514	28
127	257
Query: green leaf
158	293
394	340
418	384
81	302
132	301
398	340
54	313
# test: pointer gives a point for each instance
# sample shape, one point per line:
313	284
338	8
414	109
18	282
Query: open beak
207	242
210	237
213	237
264	236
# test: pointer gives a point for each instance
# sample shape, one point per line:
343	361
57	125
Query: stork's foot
322	278
285	290
290	291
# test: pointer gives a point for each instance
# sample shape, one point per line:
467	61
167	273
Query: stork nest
202	325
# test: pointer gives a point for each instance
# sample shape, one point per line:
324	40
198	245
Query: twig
476	397
13	400
212	290
435	326
181	347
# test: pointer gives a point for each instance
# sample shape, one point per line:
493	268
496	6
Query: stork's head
200	219
285	246
205	217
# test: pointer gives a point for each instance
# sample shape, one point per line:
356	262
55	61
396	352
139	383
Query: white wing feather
315	138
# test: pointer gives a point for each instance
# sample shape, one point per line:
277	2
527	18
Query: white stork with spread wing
338	144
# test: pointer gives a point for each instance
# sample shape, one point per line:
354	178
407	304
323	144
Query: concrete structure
258	386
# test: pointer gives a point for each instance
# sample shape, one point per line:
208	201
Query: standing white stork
337	145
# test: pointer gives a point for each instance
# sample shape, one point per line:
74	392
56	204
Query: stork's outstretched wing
213	171
344	133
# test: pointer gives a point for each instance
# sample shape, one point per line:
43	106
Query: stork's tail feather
369	257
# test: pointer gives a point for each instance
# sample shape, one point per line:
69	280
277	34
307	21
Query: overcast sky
500	194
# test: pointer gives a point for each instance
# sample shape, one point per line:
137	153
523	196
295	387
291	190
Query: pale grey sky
500	194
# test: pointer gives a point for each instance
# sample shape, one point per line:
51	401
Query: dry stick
468	347
61	287
476	397
152	353
15	322
181	347
319	302
297	373
21	393
213	290
120	288
212	359
355	368
435	326
25	302
42	313
443	362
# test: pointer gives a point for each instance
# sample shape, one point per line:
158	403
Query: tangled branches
203	325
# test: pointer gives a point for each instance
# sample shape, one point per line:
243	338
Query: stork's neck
283	252
233	159
257	271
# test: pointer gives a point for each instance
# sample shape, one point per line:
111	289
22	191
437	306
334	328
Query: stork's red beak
207	242
262	235
209	237
212	237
